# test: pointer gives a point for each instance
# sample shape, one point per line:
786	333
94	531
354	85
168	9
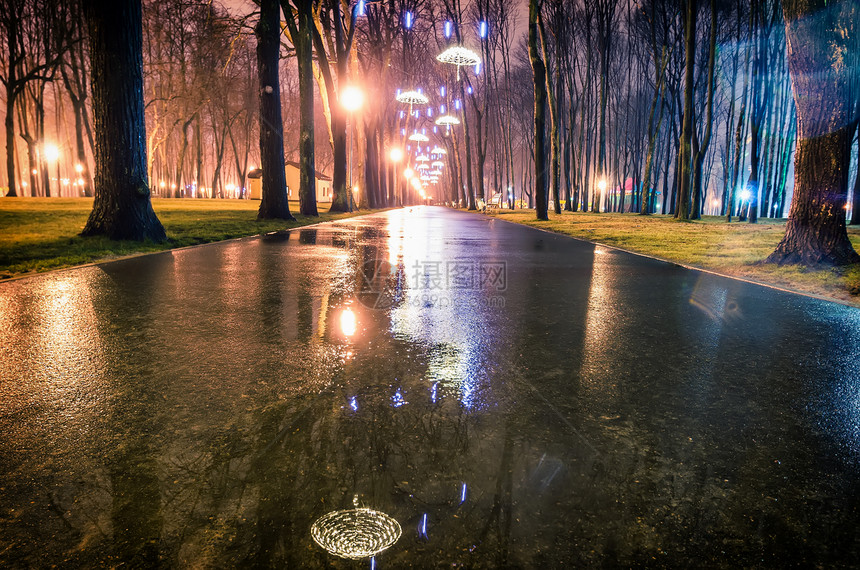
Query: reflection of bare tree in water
135	418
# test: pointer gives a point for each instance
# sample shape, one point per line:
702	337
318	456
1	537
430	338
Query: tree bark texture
275	202
122	208
821	39
539	74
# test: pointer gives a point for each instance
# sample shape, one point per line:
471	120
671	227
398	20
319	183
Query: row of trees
675	53
651	106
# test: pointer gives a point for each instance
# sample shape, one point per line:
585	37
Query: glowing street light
52	153
352	98
396	154
409	173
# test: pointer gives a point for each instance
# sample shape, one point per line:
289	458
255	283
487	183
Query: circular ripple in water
355	533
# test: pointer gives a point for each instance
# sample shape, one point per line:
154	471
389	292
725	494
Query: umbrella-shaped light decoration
412	98
447	120
438	150
425	178
435	173
423	166
422	158
459	56
437	164
419	137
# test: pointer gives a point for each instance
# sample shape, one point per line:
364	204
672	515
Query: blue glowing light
436	384
457	104
442	109
482	30
353	403
448	28
408	20
398	400
442	91
422	528
469	90
478	68
361	7
463	494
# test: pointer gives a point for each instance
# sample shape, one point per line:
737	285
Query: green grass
736	249
38	234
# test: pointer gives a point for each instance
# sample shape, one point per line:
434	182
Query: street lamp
396	155
352	98
52	155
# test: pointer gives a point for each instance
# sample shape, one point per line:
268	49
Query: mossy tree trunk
122	208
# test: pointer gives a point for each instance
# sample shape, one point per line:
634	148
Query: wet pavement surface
468	391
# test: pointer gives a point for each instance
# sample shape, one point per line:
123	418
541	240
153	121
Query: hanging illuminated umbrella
459	56
423	166
438	150
419	137
412	98
422	158
437	164
447	121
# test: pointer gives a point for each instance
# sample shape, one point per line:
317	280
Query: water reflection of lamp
355	533
348	323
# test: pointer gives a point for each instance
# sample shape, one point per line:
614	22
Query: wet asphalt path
510	397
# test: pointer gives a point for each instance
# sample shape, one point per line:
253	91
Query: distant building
323	183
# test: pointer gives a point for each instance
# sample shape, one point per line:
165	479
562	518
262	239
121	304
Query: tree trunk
817	43
539	74
467	142
685	155
122	208
307	163
702	149
855	202
274	203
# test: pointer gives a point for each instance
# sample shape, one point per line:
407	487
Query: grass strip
39	234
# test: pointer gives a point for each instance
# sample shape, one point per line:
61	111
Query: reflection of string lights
355	533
